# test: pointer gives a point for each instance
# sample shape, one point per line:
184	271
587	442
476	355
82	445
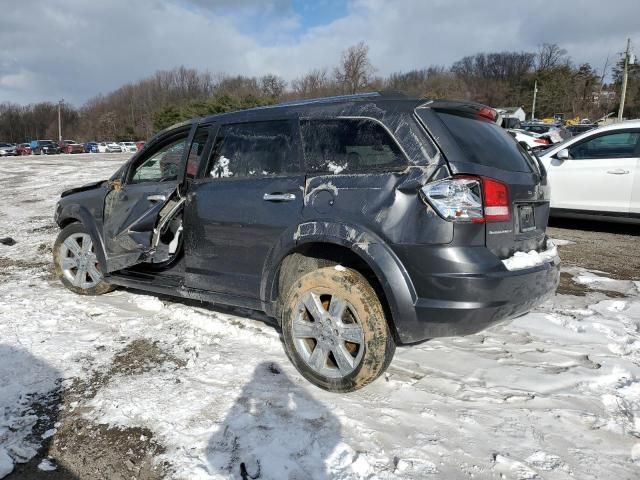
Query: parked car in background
102	147
529	140
553	133
113	147
597	173
91	147
581	128
128	147
23	149
70	146
294	210
140	144
8	150
44	147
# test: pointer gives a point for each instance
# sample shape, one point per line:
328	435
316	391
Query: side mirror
563	154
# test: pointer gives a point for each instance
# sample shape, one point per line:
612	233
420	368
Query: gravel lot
129	385
608	247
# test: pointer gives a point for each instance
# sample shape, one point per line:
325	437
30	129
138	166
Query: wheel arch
351	247
78	214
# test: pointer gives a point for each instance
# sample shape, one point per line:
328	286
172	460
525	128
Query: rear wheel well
312	256
67	221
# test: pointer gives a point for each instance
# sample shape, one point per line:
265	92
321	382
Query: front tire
334	329
76	263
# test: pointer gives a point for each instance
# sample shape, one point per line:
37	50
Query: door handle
278	197
618	171
156	198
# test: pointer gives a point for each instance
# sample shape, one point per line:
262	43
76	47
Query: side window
256	149
349	145
611	145
195	152
162	166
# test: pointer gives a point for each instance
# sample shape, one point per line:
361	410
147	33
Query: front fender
83	215
391	274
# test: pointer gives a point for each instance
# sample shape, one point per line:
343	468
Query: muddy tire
76	264
334	329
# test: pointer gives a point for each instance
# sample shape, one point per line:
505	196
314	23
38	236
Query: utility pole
535	93
625	76
60	119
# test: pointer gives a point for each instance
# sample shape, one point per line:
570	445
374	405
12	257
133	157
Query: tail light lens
496	200
464	198
541	141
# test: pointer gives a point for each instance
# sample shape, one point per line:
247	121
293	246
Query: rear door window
256	149
348	146
486	143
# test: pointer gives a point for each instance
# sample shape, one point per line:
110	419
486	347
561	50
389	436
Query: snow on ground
553	394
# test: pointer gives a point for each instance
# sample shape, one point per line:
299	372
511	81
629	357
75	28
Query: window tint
612	145
161	166
349	145
486	143
195	153
254	150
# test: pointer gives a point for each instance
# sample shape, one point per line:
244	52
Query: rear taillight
465	198
541	141
496	200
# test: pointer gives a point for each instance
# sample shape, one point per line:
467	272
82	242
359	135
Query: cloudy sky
75	49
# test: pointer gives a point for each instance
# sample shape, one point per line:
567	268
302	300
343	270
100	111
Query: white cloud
75	49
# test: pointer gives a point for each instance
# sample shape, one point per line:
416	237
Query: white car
128	147
527	139
102	147
597	173
113	147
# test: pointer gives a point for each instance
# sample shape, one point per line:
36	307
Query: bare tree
550	55
272	85
355	70
314	84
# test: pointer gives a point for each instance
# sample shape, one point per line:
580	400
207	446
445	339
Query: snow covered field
135	386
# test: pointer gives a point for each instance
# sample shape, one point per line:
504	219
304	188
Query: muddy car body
358	222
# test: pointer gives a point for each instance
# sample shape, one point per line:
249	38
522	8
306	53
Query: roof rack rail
337	98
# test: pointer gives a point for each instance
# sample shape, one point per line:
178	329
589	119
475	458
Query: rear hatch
474	145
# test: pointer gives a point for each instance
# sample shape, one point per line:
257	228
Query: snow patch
559	242
147	302
522	260
6	463
544	461
47	465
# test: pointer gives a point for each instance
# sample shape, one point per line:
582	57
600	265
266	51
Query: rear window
348	146
486	143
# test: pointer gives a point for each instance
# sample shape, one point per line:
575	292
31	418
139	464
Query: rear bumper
461	303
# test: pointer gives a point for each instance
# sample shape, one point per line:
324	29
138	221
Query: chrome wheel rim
78	261
327	334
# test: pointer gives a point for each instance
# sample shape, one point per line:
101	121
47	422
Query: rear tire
76	264
334	329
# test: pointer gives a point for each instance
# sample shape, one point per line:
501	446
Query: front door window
161	166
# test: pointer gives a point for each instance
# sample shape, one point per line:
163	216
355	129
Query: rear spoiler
474	110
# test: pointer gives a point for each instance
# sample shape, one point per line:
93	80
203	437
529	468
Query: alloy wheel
327	334
78	261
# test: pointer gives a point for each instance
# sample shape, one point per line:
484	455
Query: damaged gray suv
358	222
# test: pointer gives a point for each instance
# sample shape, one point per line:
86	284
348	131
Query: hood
88	186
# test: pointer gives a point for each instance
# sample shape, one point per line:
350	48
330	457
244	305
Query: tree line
139	109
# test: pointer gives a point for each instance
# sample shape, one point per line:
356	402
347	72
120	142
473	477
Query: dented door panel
130	219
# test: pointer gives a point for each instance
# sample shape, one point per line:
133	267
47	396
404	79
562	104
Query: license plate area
526	218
